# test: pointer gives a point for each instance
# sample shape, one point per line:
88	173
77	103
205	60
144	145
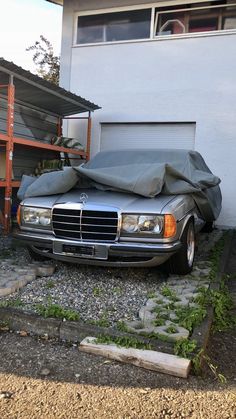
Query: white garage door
149	135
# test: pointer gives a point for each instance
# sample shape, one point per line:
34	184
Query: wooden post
9	154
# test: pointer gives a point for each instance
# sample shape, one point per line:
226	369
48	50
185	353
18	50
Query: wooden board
151	360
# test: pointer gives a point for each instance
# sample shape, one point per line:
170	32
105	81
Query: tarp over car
144	172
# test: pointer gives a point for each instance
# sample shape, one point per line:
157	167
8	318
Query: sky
22	23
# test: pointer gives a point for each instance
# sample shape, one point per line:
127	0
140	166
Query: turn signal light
169	226
18	215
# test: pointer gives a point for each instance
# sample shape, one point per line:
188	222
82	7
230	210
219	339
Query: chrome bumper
52	247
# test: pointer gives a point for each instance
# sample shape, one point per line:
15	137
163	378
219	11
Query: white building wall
176	80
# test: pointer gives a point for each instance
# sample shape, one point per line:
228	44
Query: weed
159	322
190	317
158	301
169	293
103	322
12	303
222	303
50	284
214	369
97	292
55	310
151	294
124	341
121	325
171	329
170	306
185	347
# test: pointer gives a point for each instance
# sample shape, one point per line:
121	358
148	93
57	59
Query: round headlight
130	223
150	223
45	219
30	216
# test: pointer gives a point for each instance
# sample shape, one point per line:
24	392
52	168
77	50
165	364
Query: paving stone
146	315
181	332
14	276
151	304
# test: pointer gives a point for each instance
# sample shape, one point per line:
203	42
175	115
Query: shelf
34	93
45	146
14	183
38	144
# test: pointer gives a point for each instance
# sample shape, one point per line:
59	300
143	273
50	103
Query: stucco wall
191	79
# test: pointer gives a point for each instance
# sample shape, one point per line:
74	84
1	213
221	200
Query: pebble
97	293
45	372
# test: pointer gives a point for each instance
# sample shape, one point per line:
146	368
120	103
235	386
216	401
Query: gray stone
146	315
181	332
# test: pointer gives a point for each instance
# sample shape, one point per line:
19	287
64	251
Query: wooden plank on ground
151	360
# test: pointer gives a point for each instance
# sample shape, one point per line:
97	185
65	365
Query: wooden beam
151	360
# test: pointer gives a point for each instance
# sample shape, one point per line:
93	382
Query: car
117	221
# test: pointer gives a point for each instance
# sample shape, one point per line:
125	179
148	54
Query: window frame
190	10
153	21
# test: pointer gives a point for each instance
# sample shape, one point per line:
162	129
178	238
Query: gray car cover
144	172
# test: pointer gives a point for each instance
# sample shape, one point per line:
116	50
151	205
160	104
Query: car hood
123	202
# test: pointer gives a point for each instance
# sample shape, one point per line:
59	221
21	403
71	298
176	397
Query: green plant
12	303
170	306
159	322
185	347
169	293
171	329
124	341
214	369
159	301
151	294
190	317
55	310
103	322
50	284
222	304
97	292
121	325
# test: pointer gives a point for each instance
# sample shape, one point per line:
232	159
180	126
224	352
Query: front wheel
36	256
181	263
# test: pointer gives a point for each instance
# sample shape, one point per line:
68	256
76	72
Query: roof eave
59	2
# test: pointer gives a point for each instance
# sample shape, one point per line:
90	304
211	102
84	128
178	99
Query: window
117	26
211	16
152	22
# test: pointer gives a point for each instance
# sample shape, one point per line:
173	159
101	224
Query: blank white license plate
80	250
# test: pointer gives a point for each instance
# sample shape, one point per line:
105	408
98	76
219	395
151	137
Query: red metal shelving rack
8	141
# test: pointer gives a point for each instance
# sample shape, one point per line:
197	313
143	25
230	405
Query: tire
208	227
181	263
36	256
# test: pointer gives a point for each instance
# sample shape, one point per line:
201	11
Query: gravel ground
97	293
46	380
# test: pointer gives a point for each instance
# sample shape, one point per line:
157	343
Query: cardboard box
3	166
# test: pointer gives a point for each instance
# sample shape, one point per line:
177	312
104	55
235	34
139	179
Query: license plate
77	250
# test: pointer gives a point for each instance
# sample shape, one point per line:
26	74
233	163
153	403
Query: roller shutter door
148	135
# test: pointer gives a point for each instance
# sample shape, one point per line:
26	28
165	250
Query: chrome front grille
88	225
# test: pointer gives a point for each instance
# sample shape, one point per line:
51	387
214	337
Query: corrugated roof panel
42	94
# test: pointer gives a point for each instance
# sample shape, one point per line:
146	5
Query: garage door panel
155	135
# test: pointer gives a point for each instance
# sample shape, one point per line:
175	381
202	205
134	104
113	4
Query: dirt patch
50	380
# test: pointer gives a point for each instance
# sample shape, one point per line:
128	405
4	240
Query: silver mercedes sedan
111	227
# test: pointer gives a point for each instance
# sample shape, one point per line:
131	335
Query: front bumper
105	254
